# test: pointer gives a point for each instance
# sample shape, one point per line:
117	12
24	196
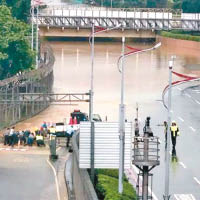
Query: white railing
105	13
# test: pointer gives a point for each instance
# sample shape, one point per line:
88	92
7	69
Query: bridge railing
126	23
118	13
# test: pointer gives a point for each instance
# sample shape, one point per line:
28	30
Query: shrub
110	172
107	189
180	35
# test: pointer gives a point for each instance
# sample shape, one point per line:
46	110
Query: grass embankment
107	186
181	35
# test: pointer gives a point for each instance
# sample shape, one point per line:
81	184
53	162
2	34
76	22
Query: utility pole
166	196
91	107
37	45
122	124
32	35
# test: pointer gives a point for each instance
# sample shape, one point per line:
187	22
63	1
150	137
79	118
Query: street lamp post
166	196
121	124
122	109
37	45
91	107
32	32
92	95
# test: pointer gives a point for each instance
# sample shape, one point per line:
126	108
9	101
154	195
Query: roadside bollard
52	146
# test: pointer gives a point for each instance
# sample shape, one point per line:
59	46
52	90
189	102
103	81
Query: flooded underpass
146	75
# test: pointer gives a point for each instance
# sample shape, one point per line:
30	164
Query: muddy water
145	77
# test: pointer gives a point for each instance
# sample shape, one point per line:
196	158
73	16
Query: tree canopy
15	52
20	8
190	6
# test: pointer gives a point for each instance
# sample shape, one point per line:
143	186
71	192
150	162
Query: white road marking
197	180
186	94
171	111
56	179
196	90
12	149
178	88
197	101
181	119
183	165
192	129
184	197
159	141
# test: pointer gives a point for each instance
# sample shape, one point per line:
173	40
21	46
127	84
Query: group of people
24	137
174	130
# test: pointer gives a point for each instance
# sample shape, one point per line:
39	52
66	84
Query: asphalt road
184	170
26	176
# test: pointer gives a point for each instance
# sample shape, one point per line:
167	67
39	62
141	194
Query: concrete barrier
78	181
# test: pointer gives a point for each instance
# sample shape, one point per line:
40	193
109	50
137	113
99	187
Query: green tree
20	8
191	6
15	52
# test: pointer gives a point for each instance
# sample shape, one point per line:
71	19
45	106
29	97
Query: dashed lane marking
187	95
192	129
12	149
184	197
197	101
181	119
183	165
178	88
196	90
197	180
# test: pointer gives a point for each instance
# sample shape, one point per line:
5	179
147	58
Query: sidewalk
59	166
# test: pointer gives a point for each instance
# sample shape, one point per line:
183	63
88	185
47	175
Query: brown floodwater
146	75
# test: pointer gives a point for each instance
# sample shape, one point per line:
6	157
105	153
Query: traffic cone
71	121
75	120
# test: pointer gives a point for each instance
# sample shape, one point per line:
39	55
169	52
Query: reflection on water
145	77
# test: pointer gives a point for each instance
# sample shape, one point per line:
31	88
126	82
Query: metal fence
13	108
146	151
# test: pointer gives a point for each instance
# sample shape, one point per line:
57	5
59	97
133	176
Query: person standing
6	136
165	131
70	132
174	133
136	127
11	139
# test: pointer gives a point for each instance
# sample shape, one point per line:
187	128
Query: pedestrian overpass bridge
142	23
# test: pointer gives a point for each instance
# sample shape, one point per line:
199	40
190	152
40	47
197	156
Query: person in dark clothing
26	135
174	133
30	139
70	132
6	136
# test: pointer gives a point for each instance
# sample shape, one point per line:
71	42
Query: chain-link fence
13	106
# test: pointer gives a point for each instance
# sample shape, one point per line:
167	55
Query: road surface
26	175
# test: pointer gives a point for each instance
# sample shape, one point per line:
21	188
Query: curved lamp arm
135	52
